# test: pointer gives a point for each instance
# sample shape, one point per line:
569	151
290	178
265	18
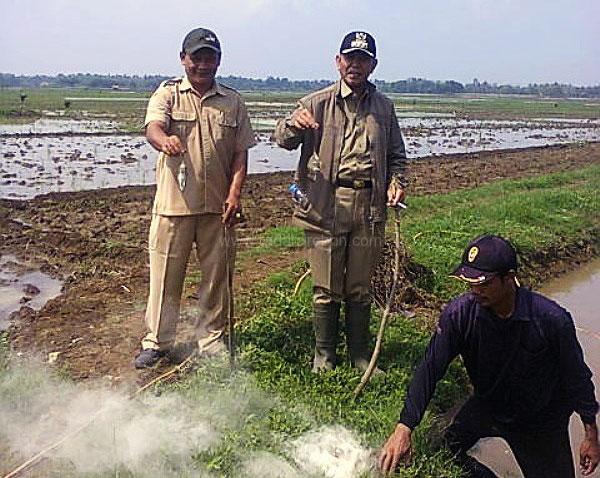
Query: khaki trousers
170	243
343	260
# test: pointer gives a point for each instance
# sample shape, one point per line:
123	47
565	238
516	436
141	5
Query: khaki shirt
212	129
355	162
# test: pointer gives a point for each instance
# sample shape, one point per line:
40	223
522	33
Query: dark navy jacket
527	369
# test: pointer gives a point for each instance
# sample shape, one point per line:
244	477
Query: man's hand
395	194
303	119
231	207
396	448
172	146
589	451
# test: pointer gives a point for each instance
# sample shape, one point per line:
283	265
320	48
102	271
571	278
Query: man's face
201	66
493	292
355	67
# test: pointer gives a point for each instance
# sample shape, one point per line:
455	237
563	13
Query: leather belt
354	183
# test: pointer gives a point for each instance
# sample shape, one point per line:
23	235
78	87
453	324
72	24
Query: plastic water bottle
297	195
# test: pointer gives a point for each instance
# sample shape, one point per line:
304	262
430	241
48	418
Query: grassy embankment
499	107
275	336
127	108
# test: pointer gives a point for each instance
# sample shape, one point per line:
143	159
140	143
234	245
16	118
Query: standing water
21	285
578	293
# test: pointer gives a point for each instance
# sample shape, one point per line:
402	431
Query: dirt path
96	242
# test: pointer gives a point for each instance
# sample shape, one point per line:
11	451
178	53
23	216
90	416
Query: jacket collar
523	305
522	312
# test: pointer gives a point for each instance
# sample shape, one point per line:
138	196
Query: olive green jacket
321	150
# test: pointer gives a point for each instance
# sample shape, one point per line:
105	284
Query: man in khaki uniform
352	160
203	133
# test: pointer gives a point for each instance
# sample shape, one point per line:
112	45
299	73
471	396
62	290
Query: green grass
275	240
130	114
487	106
273	398
275	337
493	106
280	399
535	214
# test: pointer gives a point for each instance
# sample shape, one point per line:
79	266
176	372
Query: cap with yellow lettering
485	257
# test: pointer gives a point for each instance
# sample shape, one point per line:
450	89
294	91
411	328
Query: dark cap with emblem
200	38
359	41
484	258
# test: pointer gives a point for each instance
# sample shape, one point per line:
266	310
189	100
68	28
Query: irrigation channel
578	293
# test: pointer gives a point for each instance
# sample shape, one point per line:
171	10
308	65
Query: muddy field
95	242
54	155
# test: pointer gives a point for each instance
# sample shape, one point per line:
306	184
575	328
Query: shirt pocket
224	126
181	124
376	125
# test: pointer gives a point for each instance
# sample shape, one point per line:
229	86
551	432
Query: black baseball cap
359	41
200	38
485	257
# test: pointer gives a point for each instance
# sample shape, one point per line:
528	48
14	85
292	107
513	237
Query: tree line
411	85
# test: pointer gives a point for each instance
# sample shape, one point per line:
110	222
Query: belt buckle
358	184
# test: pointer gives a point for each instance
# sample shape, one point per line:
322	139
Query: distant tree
410	85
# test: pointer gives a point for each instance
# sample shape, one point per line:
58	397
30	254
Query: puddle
21	285
578	293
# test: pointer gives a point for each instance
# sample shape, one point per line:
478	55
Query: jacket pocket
311	209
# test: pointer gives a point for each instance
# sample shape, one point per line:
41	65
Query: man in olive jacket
352	163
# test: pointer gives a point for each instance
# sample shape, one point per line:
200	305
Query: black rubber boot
358	316
326	319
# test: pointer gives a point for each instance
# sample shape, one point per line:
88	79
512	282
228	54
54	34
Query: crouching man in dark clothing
526	366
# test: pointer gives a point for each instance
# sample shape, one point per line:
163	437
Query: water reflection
55	162
21	285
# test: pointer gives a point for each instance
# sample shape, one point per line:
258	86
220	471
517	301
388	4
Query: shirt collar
185	84
344	91
216	88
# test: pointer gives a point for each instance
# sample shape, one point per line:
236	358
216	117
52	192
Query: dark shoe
148	358
326	319
358	316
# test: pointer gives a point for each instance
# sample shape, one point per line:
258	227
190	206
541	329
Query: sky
501	41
